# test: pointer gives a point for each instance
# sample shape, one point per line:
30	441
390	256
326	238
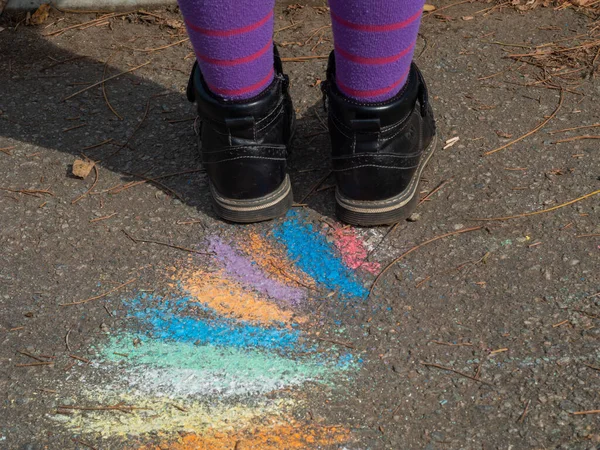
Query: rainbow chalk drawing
224	355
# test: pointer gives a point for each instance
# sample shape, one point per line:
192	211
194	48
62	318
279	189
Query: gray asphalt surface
517	300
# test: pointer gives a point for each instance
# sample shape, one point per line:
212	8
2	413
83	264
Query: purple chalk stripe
242	270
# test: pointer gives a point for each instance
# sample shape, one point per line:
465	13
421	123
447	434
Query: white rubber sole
390	210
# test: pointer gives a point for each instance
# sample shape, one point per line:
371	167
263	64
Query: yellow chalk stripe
171	416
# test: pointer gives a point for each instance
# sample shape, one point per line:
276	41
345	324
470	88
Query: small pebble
414	217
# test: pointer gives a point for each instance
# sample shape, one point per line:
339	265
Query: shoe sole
259	209
388	211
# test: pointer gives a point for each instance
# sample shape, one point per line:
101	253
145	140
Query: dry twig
31	356
166	244
289	26
450	344
101	295
333	341
422	244
117	189
104	94
137	127
89	22
85	444
99	144
580	413
524	413
535	130
440	186
43	363
32	192
67	339
315	186
91	187
153	181
450	369
104	80
561	323
577	138
533	213
151	50
98	219
436	11
564	130
79	358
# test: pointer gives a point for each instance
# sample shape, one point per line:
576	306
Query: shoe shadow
310	162
141	126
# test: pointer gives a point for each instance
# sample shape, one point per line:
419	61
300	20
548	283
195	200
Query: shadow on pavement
149	133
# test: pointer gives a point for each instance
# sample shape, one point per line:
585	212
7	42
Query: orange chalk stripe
281	437
231	300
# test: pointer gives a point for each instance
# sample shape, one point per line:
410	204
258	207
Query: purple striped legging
374	45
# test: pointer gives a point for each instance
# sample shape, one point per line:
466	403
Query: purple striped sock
374	45
233	42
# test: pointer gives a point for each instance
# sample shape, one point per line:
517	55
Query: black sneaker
379	150
244	147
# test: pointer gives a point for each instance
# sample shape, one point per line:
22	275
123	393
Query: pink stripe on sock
232	32
245	90
376	28
238	61
357	93
376	60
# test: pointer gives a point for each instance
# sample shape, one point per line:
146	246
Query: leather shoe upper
376	147
244	144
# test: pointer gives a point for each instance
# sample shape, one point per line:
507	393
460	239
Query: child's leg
233	42
374	45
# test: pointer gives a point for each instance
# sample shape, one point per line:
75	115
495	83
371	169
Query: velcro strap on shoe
239	123
366	134
366	125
